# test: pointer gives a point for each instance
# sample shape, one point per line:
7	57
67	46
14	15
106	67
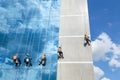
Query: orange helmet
15	57
43	56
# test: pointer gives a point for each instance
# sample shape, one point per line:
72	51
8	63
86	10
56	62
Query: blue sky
104	24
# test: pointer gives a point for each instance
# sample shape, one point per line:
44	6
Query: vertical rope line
27	42
21	38
30	42
38	49
50	29
48	26
39	43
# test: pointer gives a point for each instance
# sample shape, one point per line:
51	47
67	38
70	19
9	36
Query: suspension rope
46	36
21	38
15	38
84	26
26	47
39	44
32	42
29	42
47	27
52	29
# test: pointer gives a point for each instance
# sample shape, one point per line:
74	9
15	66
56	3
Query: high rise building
74	24
31	28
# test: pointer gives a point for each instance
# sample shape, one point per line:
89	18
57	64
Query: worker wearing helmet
87	40
43	60
16	60
28	59
60	53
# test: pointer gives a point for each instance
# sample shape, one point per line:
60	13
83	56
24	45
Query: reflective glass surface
29	26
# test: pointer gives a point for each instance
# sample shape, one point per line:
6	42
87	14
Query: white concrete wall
74	23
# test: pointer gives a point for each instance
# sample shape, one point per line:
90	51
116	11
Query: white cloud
105	78
98	73
104	46
101	46
114	62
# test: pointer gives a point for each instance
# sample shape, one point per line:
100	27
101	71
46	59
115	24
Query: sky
104	26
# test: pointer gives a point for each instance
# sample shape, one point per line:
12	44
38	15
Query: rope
46	36
48	25
39	44
29	41
52	33
32	42
20	41
15	39
84	16
26	48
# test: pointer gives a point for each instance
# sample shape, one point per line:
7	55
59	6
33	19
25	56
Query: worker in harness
27	60
87	40
43	60
60	53
16	60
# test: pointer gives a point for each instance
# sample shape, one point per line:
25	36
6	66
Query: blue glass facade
29	26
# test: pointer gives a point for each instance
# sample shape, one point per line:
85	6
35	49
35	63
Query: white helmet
27	60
